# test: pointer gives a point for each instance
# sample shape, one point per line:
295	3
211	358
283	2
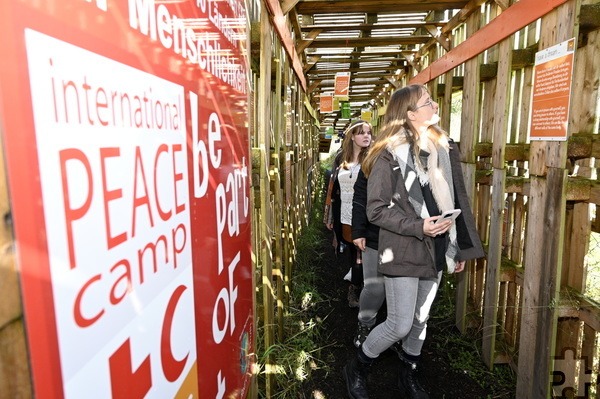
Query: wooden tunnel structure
535	201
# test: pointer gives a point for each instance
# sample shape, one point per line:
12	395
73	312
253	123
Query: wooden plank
589	313
487	118
589	349
498	199
462	279
14	374
512	309
278	119
447	104
518	223
546	226
14	365
266	222
468	138
288	5
490	302
470	104
279	22
433	85
369	41
526	96
502	97
541	283
370	6
531	289
371	26
514	18
568	336
516	108
578	248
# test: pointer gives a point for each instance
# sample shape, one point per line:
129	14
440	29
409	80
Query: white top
347	178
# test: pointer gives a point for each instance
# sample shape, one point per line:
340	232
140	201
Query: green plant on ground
592	289
298	353
462	351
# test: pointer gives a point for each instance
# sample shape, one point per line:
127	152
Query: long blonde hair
396	121
347	152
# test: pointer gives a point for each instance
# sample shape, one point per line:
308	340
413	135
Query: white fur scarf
438	174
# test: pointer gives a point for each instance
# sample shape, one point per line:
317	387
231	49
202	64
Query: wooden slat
369	41
469	134
276	165
512	310
266	221
284	35
490	301
368	27
540	286
330	73
502	97
374	6
14	365
514	18
496	223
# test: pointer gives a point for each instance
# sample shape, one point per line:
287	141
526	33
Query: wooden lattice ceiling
373	40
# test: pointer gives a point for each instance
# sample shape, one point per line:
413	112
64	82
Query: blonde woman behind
356	142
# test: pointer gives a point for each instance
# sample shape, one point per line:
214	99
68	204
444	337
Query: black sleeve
359	207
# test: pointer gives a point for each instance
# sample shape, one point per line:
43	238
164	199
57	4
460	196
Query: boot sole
347	383
405	390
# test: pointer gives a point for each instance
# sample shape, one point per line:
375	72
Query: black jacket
361	227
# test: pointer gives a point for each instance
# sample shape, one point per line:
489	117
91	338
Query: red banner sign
342	85
128	166
326	103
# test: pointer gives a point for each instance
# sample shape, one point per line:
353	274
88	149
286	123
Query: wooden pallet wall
535	202
285	156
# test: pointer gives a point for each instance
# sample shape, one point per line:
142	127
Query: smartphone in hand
449	215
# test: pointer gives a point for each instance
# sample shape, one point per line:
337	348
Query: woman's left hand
432	229
460	266
360	243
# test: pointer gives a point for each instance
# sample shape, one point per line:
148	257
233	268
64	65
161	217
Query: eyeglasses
429	102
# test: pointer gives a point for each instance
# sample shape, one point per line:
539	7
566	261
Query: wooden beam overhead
370	41
370	6
308	39
514	18
330	72
369	27
281	28
383	52
364	58
375	84
288	5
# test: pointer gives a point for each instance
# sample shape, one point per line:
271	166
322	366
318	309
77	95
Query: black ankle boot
408	381
355	374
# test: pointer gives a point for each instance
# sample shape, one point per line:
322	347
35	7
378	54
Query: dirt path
437	375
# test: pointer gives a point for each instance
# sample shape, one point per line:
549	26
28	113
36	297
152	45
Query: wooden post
469	134
586	83
540	285
275	172
490	301
545	228
15	379
266	222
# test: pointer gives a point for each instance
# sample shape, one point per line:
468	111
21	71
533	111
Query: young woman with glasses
414	175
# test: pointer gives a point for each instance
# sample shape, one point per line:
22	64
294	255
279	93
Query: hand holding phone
448	215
